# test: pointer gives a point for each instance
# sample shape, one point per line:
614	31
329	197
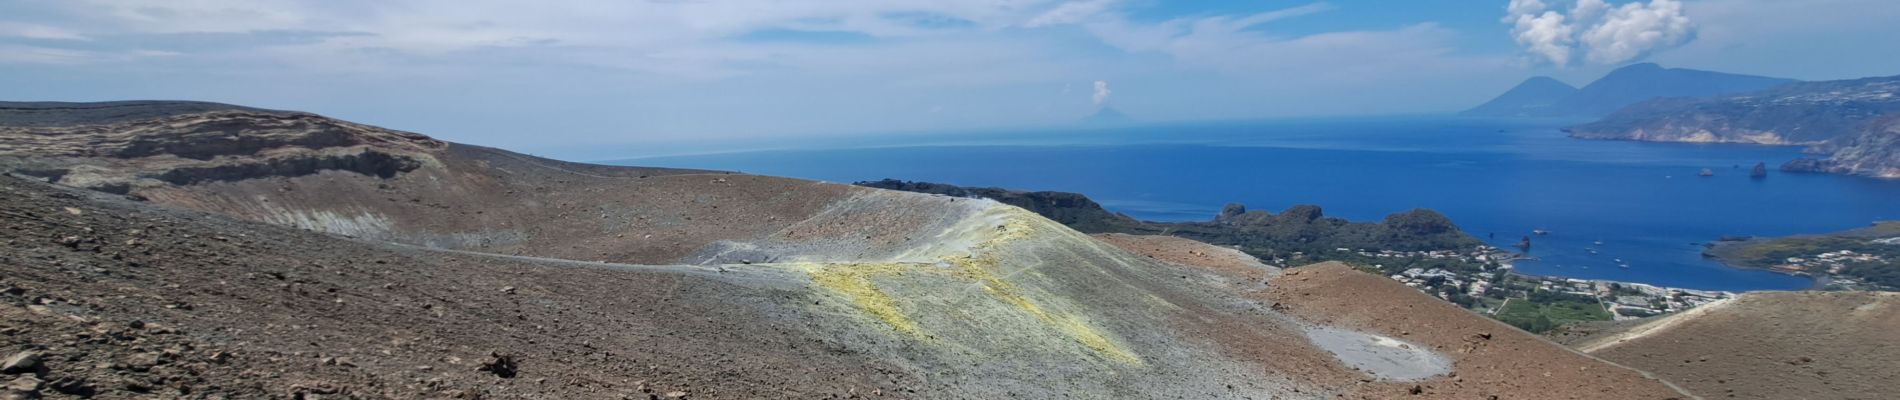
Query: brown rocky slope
1769	345
265	261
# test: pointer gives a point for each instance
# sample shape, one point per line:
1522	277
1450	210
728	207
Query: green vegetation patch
1775	252
1540	315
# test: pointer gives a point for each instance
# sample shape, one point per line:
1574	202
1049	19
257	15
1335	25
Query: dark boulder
1228	212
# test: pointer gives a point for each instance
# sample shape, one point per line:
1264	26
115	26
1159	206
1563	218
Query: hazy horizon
554	77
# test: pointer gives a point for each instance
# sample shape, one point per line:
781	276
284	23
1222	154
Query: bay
1497	179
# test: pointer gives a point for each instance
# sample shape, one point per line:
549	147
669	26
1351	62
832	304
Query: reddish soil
1491	359
1181	251
1774	345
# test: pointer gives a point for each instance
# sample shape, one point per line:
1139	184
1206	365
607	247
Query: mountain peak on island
1624	86
1852	125
1527	98
1640	67
1638	82
1105	116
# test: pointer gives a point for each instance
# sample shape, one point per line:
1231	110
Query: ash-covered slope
714	285
1769	345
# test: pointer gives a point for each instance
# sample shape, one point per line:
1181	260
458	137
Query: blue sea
1497	179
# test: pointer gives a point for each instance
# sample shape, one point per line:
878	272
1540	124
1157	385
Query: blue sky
611	72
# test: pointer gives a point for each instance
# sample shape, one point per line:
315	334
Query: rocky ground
116	299
1768	345
1491	357
237	253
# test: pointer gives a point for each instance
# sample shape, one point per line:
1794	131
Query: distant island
1543	96
1852	126
1849	126
1106	116
1534	96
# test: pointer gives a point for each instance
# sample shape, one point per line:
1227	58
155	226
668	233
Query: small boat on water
1592	251
1599	242
1540	232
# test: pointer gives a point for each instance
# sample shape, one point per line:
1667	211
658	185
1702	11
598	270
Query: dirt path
1649	328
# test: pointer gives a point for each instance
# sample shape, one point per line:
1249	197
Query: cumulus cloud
37	31
689	57
1604	33
1101	93
1070	13
1540	31
1634	30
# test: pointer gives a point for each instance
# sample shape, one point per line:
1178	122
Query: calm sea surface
1499	180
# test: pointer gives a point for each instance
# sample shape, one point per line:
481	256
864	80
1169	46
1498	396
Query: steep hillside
1854	123
1875	152
244	253
1770	345
1531	98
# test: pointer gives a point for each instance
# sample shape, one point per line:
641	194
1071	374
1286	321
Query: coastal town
1482	279
1866	258
1831	267
1623	300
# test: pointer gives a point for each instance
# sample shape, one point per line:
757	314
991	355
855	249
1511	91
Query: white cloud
1604	33
17	54
1810	39
689	64
37	31
1634	30
1071	13
25	54
1100	97
1524	7
690	37
1587	10
1544	34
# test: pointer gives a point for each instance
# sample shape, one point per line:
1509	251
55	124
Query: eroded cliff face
1849	123
1875	152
